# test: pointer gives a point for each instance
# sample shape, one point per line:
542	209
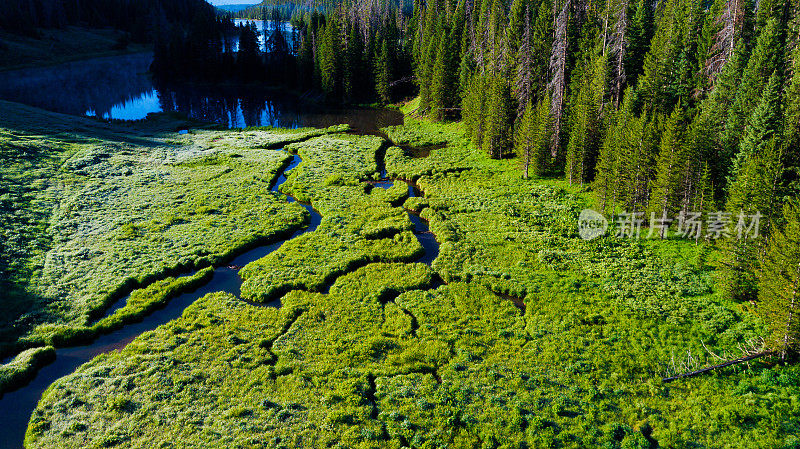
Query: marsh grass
92	211
386	360
22	368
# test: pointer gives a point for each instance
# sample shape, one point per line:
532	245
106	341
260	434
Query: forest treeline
350	54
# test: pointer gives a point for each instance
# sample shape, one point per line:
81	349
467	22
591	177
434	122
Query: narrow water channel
16	407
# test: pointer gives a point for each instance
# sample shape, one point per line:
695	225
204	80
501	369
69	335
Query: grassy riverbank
383	359
91	211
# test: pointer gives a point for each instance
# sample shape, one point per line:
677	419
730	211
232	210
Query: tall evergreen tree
607	179
384	69
444	82
640	34
498	118
586	132
525	80
764	61
752	191
665	200
668	65
248	57
533	137
354	66
330	57
791	175
779	285
706	132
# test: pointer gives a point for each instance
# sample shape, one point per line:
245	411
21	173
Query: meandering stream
16	407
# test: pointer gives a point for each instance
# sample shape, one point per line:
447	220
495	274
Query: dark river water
120	88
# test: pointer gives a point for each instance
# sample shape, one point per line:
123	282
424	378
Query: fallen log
721	365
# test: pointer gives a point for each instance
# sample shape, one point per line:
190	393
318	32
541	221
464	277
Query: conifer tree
518	20
353	66
586	131
607	179
525	82
305	59
665	198
533	137
706	132
330	59
668	65
473	108
762	63
779	285
249	60
752	191
791	176
383	73
444	83
498	118
639	36
627	158
764	124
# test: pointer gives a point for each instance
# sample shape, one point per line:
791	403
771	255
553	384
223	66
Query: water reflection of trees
121	84
236	108
77	87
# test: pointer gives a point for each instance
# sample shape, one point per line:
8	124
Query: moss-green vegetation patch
310	261
23	367
257	137
91	211
332	170
385	360
447	367
360	225
456	153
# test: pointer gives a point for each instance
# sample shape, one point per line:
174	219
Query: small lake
121	88
264	28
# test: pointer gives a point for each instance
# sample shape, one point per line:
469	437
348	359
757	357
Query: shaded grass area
24	366
55	46
91	211
384	360
452	152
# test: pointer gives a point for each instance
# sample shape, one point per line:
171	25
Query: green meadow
537	338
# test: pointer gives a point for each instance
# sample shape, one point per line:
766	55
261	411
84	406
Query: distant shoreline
60	46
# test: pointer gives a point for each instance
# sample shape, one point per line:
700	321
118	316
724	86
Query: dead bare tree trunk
558	72
618	46
731	20
721	365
